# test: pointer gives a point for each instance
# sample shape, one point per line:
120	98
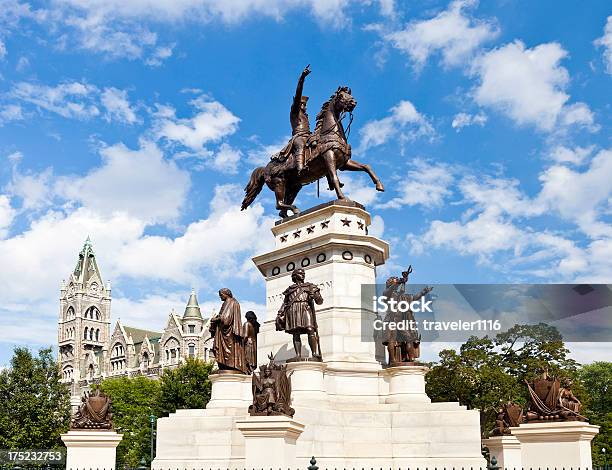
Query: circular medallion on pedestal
321	257
347	255
290	266
305	262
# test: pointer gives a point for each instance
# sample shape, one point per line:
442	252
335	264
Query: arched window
145	360
192	350
97	335
69	313
91	334
90	371
85	334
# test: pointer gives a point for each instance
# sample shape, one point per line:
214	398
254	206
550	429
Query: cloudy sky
138	122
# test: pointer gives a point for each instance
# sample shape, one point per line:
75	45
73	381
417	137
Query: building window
85	334
191	328
192	350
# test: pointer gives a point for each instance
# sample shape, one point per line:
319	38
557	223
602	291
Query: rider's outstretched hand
306	70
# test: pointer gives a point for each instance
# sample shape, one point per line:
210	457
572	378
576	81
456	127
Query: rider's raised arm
295	106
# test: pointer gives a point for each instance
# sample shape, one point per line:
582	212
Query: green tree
34	405
133	401
596	379
489	371
186	387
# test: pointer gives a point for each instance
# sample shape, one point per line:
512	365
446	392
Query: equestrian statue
308	155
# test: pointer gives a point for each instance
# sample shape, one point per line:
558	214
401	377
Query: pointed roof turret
86	266
193	308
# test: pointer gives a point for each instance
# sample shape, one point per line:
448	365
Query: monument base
270	441
207	438
406	384
564	444
88	449
506	449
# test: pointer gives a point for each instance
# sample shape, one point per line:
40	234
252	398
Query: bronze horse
329	152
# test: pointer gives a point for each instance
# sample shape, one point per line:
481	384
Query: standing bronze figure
226	329
308	157
403	346
94	412
297	314
271	391
250	330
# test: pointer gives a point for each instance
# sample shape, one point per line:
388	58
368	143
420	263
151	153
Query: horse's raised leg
279	192
330	163
352	165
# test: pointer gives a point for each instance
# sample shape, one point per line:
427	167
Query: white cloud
606	42
462	120
529	86
34	189
159	55
575	156
69	99
580	196
260	155
138	182
211	123
11	112
358	188
7	214
451	33
404	122
426	184
118	106
226	159
2	50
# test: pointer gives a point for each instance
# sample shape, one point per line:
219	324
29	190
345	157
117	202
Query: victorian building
89	352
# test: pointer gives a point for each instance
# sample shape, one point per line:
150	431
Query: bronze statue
308	157
403	346
509	415
271	391
297	314
226	329
550	401
250	330
94	412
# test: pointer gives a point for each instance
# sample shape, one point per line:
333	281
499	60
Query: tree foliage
135	400
186	387
489	371
597	381
34	405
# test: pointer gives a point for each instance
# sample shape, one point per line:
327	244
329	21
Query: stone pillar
270	441
230	390
565	444
506	449
307	383
87	449
406	384
331	243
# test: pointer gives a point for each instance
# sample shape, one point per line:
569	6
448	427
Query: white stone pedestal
207	438
270	441
406	384
91	449
506	449
230	390
307	382
557	444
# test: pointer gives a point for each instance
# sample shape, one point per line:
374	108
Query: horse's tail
253	188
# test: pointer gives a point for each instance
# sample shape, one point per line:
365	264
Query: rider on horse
300	128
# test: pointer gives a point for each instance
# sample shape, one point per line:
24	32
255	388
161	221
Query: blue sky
137	123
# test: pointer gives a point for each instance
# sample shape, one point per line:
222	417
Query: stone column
307	383
506	449
270	441
230	390
564	444
406	384
87	449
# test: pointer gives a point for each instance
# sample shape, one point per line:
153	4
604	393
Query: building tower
84	323
193	324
